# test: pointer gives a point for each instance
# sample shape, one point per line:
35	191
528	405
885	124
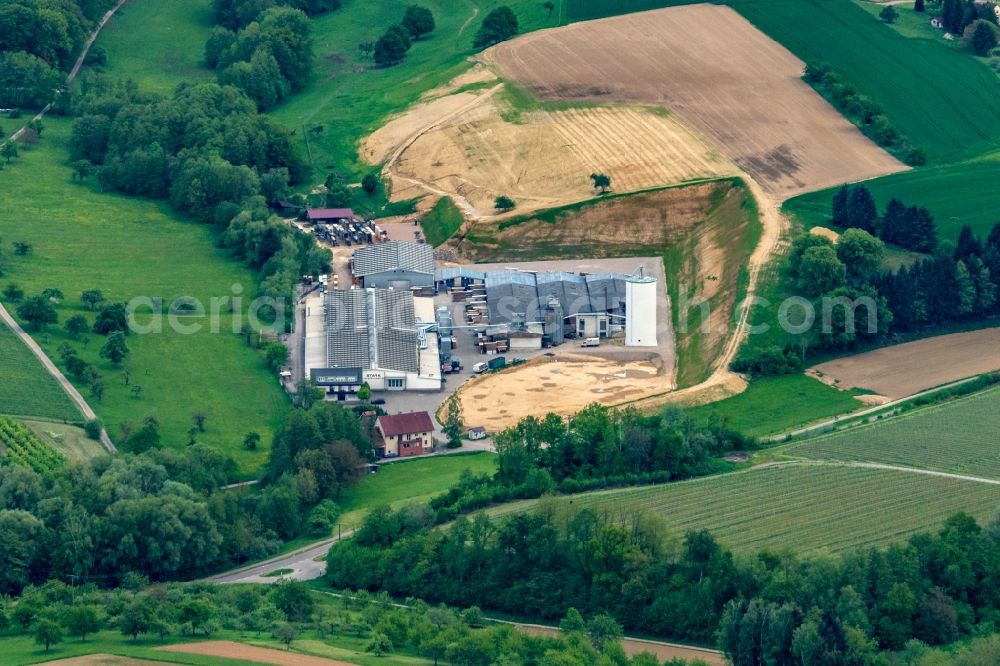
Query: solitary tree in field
889	14
22	248
984	38
92	298
46	633
370	183
379	645
251	441
53	294
76	326
81	620
285	633
199	418
37	311
549	6
9	151
418	20
13	293
115	349
498	26
504	203
602	182
390	49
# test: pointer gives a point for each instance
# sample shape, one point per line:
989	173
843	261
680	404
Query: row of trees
867	303
863	112
286	611
268	59
597	447
236	14
769	608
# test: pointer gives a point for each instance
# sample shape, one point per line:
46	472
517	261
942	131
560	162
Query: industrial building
394	265
533	308
381	337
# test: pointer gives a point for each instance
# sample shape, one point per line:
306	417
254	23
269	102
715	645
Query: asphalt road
302	562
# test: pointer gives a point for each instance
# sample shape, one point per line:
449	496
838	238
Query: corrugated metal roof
394	256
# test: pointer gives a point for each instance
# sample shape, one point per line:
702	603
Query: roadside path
76	66
865	412
57	374
892	468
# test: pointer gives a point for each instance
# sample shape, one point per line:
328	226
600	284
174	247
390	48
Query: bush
93	429
768	361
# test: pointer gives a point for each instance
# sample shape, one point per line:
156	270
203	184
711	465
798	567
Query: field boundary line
47	363
843	418
898	468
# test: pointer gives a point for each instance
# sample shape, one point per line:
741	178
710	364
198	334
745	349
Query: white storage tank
640	311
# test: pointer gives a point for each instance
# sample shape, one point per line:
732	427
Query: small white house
477	432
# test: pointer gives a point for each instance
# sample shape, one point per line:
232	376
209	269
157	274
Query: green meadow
129	247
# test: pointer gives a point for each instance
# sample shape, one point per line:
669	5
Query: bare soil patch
233	650
573	381
909	368
829	234
544	159
102	660
718	73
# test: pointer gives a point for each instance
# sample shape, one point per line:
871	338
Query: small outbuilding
328	215
477	432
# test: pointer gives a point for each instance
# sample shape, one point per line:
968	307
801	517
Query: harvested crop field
903	370
563	384
720	74
541	158
233	650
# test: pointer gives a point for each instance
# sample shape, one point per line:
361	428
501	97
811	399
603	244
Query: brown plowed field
715	70
540	158
233	650
909	368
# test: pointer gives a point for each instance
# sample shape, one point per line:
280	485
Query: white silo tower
640	310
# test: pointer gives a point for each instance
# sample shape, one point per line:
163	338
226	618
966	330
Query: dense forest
771	608
39	42
598	447
164	513
857	301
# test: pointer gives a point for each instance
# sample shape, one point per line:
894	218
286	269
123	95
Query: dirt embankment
624	226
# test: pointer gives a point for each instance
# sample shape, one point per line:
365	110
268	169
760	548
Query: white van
480	368
591	342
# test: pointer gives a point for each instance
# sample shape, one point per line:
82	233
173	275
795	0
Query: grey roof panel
394	256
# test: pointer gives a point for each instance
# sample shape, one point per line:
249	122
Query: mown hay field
957	437
800	507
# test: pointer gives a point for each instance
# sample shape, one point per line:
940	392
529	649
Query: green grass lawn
958	194
774	405
130	247
158	44
958	437
801	507
410	481
442	221
26	389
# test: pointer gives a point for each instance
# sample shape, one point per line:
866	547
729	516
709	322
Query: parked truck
497	363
